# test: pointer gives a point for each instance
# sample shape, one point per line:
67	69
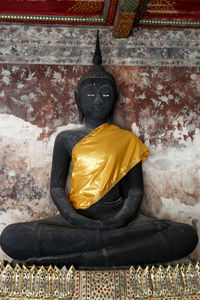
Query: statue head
96	91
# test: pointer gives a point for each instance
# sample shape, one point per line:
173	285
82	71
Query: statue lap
55	241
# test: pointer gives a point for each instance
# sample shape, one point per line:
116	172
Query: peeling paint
174	209
172	183
25	171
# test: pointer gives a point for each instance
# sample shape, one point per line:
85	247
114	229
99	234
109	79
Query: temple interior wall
158	79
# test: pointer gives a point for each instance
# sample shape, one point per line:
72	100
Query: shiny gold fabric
100	160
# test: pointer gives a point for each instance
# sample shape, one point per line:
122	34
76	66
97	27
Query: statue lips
98	107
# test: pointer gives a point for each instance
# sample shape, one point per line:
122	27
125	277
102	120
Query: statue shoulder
69	138
68	134
134	139
130	134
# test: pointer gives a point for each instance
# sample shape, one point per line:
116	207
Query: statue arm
59	172
131	190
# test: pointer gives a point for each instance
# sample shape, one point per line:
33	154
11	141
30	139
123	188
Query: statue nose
98	99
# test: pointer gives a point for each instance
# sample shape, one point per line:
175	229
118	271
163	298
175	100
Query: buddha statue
99	222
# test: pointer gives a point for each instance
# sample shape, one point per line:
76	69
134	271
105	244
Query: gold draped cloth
100	160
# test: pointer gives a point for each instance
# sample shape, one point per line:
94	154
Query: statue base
180	281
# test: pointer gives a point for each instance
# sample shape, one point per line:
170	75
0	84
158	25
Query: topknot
97	58
96	70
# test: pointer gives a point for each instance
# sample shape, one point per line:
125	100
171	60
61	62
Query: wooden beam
126	17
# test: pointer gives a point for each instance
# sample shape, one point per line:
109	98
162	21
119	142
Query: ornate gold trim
54	18
42	18
155	282
169	22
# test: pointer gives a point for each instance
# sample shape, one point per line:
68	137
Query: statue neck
92	124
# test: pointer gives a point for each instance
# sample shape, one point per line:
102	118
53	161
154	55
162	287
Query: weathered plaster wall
71	46
158	81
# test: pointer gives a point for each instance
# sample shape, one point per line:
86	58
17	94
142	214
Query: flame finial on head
97	58
96	71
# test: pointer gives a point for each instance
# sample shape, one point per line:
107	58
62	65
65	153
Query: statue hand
69	213
81	221
119	220
128	211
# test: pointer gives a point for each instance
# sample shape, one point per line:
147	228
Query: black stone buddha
99	223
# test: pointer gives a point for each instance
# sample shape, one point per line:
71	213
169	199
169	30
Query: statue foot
94	258
161	224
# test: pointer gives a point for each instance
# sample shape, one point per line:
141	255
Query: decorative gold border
43	18
54	18
168	22
153	282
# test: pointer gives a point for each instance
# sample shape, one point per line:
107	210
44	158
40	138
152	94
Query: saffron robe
100	160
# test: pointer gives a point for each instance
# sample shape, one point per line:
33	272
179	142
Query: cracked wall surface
159	100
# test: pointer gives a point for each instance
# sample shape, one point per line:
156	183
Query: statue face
97	98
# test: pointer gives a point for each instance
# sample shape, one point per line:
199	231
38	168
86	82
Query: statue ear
77	98
81	115
110	117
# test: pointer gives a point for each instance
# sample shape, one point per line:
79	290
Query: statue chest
73	138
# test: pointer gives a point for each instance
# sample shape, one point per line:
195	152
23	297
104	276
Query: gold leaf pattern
153	282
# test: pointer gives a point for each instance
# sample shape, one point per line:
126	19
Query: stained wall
158	80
